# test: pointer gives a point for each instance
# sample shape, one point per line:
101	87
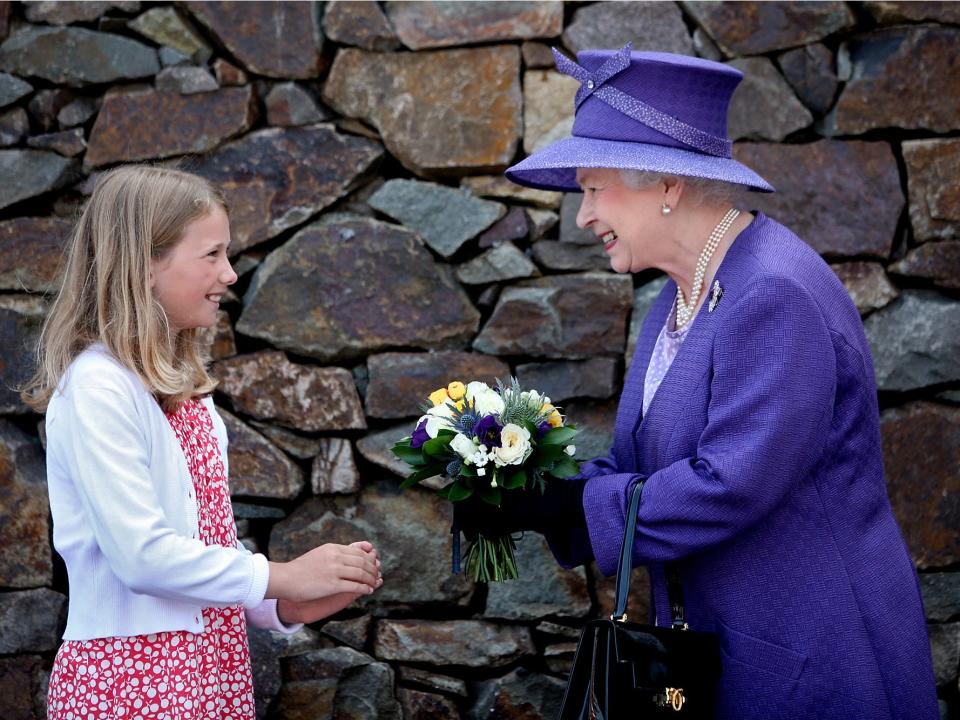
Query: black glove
560	507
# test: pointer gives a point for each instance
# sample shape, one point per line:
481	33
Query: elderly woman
749	409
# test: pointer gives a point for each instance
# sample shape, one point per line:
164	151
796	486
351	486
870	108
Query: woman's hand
327	570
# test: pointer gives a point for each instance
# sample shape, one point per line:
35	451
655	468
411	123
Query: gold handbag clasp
672	697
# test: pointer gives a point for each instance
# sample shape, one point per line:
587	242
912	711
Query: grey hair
712	192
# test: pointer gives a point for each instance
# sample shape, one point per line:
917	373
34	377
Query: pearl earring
665	209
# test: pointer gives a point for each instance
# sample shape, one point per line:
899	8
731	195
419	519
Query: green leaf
517	480
565	468
546	455
446	432
491	495
411	456
459	491
559	436
437	447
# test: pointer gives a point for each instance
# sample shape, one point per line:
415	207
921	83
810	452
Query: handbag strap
674	587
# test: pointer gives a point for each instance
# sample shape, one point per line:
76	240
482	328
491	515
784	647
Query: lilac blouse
668	344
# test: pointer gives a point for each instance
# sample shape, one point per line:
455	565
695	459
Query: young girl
137	469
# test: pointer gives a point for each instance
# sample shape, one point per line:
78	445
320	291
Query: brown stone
219	338
45	105
269	387
754	28
276	39
565	379
432	681
426	706
276	179
656	26
521	694
842	197
68	143
257	467
545	318
228	74
900	77
469	643
887	12
497	186
536	55
14	126
136	125
290	442
359	23
306	699
353	632
425	105
933	181
30	252
289	105
25	554
21	318
512	226
638	601
921	451
809	70
421	25
937	261
763	105
20	683
401	382
547	108
186	80
569	257
316	294
4	19
559	657
67	12
334	470
868	285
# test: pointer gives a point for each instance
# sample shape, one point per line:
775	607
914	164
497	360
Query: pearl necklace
685	309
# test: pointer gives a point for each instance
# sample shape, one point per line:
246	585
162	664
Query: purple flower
542	429
488	430
419	436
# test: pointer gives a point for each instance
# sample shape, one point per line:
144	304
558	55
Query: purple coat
765	484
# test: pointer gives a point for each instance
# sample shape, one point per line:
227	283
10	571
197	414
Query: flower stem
491	559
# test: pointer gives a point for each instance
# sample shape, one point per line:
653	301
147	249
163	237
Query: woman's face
190	279
624	219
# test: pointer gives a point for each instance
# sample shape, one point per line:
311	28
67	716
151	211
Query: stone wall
381	252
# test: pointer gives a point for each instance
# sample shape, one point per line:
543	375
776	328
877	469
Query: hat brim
555	166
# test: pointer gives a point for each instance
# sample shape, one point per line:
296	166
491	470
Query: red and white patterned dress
168	675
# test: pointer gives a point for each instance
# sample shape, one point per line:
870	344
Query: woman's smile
609	239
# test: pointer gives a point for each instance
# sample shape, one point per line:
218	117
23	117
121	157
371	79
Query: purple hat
651	111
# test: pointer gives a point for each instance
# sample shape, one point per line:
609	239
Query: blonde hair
136	213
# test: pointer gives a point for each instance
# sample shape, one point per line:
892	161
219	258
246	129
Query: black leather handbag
627	670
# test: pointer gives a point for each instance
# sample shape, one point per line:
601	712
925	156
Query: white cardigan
125	513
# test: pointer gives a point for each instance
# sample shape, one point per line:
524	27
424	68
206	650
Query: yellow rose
438	397
456	390
554	418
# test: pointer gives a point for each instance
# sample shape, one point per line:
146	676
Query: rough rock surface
649	26
257	467
933	181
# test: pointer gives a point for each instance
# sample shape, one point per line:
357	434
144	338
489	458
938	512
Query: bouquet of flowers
488	442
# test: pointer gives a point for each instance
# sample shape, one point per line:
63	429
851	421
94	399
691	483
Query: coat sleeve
104	446
771	396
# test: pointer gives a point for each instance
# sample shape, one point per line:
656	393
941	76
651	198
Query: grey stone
12	89
497	186
809	70
893	11
14	126
445	218
512	226
165	26
543	588
247	511
565	379
421	25
77	112
559	657
763	105
257	467
570	257
68	143
67	12
268	651
569	232
654	26
552	630
705	47
30	620
945	645
754	28
941	595
288	105
868	285
915	341
25	554
536	55
933	176
22	676
76	56
643	298
334	470
400	383
375	447
545	318
595	420
419	705
522	693
541	222
186	80
547	108
172	58
362	24
500	263
315	299
425	105
938	262
432	681
269	387
353	632
46	104
285	191
303	448
469	643
29	173
219	339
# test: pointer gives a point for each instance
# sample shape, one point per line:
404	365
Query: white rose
488	402
570	450
463	446
474	388
514	445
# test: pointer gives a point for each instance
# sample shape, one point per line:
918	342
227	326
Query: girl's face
623	219
189	280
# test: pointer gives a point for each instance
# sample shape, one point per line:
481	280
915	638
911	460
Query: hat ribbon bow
594	84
